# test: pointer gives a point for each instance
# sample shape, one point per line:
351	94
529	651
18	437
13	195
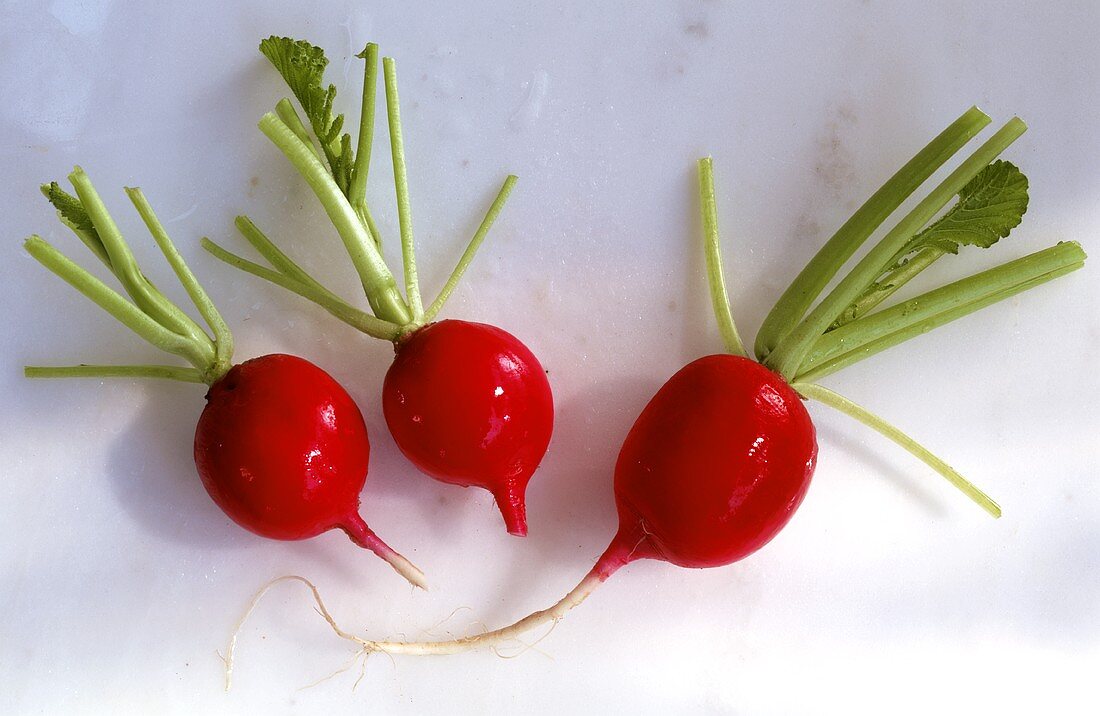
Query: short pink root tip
514	510
365	537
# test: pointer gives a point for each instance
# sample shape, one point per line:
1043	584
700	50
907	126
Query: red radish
747	442
468	404
477	405
280	447
721	457
283	449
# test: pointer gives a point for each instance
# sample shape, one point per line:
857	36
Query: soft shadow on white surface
153	478
908	476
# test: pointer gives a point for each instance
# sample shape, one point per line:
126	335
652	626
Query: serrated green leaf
68	206
75	216
989	207
302	65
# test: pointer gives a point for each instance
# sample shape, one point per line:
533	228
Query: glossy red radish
280	447
468	404
721	457
747	442
461	430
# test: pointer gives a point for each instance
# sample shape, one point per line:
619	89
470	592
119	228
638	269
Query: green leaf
302	66
990	205
75	216
68	206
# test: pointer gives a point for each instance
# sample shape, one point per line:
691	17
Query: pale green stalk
811	281
378	283
839	402
792	350
357	192
401	183
878	331
898	278
165	372
199	354
125	267
283	263
360	320
713	251
284	108
471	249
223	338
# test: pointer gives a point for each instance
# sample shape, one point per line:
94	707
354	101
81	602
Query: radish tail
497	637
363	536
513	508
630	543
624	548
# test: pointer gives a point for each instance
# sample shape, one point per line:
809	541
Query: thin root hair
524	647
347	666
320	608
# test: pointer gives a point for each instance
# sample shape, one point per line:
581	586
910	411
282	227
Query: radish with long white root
721	457
467	403
280	446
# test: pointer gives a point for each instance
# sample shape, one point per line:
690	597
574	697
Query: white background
119	579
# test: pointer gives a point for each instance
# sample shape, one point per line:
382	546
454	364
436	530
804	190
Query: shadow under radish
153	475
917	482
155	482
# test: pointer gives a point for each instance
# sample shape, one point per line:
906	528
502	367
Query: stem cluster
805	342
393	314
147	312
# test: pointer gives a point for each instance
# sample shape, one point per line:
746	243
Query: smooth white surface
119	579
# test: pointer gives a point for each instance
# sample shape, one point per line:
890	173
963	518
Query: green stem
223	338
355	318
198	354
282	263
357	192
471	249
378	283
811	281
792	350
839	402
713	250
368	220
876	332
401	182
125	267
890	283
286	112
89	239
168	372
